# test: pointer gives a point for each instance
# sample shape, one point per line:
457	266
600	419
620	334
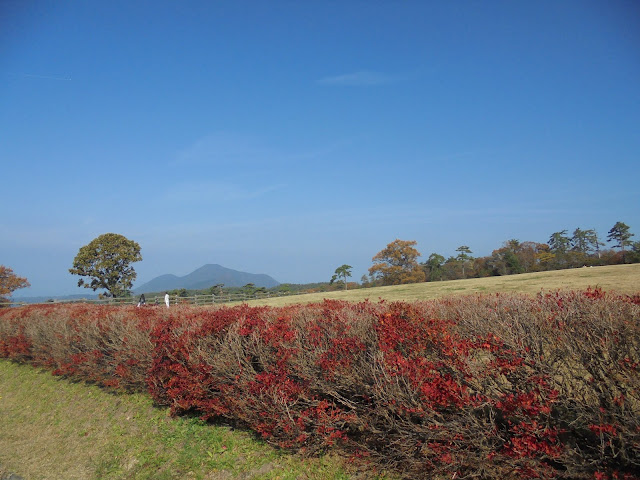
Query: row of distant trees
398	262
248	289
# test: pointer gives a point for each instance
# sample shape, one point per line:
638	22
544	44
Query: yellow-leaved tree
398	264
9	282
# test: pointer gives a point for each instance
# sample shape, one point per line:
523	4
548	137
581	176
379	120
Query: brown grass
619	278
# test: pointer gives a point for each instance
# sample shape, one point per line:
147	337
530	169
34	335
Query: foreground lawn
51	428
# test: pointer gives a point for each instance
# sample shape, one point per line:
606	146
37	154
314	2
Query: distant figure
142	300
166	299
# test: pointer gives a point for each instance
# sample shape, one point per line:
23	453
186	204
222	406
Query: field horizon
623	279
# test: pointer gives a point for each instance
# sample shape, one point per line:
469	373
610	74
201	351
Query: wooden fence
203	299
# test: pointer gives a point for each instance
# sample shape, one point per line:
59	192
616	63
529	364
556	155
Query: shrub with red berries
489	386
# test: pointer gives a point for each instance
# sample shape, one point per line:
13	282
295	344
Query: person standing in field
166	299
142	300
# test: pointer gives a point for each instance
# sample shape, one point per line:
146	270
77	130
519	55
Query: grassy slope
52	429
621	278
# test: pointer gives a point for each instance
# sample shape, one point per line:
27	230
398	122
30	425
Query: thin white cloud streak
360	79
42	77
214	192
70	235
328	222
230	148
224	148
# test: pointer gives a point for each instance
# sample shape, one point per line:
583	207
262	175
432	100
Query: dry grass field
619	278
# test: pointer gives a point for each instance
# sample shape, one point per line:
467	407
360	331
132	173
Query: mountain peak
205	277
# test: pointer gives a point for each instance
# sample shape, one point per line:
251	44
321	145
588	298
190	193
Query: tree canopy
9	282
620	234
342	273
106	261
463	257
434	267
398	264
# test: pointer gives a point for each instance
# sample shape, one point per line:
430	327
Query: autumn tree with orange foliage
9	282
398	264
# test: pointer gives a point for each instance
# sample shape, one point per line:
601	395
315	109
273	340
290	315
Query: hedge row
495	386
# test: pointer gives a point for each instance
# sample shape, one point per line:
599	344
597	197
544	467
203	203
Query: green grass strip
51	428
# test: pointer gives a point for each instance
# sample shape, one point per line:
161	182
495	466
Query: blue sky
289	138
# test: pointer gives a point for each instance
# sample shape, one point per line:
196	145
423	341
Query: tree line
398	262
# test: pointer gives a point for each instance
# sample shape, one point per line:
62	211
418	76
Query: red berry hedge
492	386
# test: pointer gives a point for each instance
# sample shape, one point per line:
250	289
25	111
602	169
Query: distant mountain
205	277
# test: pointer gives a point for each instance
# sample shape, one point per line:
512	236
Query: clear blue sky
289	138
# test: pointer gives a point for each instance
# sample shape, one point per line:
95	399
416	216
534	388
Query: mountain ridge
205	277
